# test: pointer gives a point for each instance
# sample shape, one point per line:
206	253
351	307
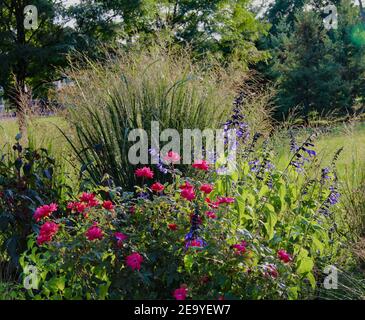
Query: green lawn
42	130
351	138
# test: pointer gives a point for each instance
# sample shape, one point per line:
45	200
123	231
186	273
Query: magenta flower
284	256
144	172
94	233
120	237
108	205
180	293
157	187
134	261
211	215
206	188
240	248
46	232
44	211
201	165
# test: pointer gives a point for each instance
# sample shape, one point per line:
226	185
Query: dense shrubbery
28	179
253	234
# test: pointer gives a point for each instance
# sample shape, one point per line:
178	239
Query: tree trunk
362	13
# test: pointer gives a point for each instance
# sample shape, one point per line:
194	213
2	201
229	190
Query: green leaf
311	279
305	265
188	262
271	220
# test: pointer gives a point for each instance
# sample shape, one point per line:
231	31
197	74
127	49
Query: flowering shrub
235	236
254	233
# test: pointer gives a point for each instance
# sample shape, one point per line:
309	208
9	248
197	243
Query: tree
225	28
309	77
29	57
315	68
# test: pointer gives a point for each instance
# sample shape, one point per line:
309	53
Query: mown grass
349	136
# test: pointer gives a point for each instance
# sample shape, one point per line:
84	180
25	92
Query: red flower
172	157
172	226
211	214
187	191
44	211
132	210
188	194
211	204
186	185
284	256
80	207
201	165
144	172
46	233
206	188
94	233
120	237
86	197
134	261
195	243
157	187
180	294
108	205
89	200
240	248
225	200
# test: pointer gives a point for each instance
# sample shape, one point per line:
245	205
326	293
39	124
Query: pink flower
172	226
144	172
86	197
270	270
211	215
94	232
206	188
108	205
44	211
89	200
120	237
225	200
157	187
284	256
180	293
134	261
201	165
188	194
211	204
172	157
195	243
80	207
186	185
187	191
240	248
46	232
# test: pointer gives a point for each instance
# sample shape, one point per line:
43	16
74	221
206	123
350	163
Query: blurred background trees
312	68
